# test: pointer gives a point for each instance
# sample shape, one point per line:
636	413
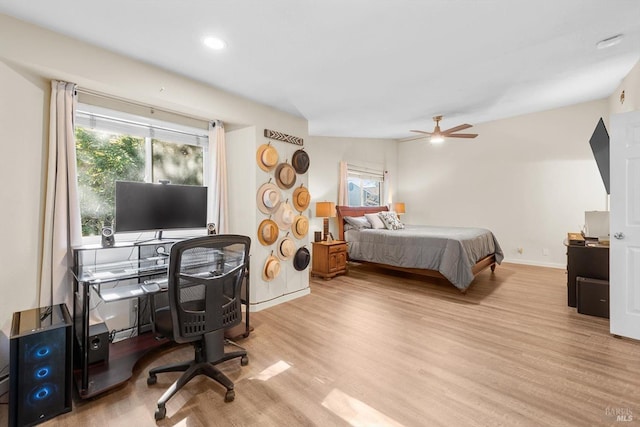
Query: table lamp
398	207
325	210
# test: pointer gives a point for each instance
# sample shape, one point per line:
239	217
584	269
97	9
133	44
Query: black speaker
98	343
40	365
108	240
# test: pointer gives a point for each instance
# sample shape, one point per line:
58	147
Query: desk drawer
337	248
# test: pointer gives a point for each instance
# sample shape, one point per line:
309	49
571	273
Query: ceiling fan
438	136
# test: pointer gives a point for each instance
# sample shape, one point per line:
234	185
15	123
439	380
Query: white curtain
62	228
343	194
217	193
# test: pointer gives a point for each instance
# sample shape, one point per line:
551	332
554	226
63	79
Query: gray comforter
450	250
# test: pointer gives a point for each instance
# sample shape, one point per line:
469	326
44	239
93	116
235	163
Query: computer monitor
142	206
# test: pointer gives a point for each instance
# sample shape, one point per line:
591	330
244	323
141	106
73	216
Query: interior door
625	225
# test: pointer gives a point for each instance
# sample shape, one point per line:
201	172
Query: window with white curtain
364	186
116	146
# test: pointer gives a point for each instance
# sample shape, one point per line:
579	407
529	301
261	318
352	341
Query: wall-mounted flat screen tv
600	146
142	206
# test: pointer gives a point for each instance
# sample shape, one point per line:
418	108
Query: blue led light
42	393
43	351
42	373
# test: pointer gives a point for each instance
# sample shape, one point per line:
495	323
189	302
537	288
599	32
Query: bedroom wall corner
327	152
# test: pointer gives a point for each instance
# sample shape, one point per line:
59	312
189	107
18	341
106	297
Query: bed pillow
375	221
357	222
391	220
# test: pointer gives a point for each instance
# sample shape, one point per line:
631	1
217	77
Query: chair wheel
230	396
160	412
244	361
152	379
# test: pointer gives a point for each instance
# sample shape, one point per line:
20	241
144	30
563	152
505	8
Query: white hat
284	216
268	198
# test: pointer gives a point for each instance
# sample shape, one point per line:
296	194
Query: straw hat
268	232
267	157
284	216
271	268
285	176
300	226
268	198
286	248
301	259
301	198
300	161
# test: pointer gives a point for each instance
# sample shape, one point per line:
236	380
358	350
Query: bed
456	254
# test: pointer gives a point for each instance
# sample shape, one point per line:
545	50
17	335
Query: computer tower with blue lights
40	376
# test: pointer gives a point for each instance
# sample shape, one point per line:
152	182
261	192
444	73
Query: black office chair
205	279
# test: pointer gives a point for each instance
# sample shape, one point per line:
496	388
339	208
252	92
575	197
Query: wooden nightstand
329	259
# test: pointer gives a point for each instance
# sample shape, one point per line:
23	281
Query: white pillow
391	220
375	220
358	222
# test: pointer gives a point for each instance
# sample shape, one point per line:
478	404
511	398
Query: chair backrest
205	280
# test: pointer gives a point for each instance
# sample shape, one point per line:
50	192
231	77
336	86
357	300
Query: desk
113	274
591	261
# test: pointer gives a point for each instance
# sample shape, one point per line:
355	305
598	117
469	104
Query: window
364	186
114	146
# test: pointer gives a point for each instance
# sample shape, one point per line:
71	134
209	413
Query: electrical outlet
520	250
545	251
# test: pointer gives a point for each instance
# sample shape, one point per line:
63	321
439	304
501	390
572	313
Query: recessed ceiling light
611	41
214	43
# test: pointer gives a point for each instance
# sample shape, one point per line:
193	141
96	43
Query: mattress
452	251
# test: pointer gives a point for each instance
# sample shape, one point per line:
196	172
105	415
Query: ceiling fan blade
413	138
456	128
421	131
462	135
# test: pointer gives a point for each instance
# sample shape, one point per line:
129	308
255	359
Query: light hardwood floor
382	348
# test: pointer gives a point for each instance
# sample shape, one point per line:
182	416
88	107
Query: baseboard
279	300
536	263
4	385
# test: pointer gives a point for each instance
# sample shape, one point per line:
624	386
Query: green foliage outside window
102	159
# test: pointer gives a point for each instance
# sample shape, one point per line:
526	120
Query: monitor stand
156	238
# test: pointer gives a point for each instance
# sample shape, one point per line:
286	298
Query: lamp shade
399	207
325	209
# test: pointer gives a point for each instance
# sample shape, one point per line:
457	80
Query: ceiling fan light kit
438	136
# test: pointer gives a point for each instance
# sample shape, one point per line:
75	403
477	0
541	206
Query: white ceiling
370	68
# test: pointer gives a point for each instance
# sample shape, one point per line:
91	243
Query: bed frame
488	261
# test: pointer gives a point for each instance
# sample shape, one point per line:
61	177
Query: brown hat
267	157
271	268
301	259
286	248
284	216
268	232
268	198
300	161
300	226
285	176
301	198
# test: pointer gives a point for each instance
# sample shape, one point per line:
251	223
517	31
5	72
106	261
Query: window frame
365	173
96	117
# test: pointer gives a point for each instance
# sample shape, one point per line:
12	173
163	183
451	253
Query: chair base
191	369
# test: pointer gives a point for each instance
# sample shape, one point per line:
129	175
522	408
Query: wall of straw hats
281	249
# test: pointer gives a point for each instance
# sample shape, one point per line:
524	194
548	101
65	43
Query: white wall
529	179
326	153
631	87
